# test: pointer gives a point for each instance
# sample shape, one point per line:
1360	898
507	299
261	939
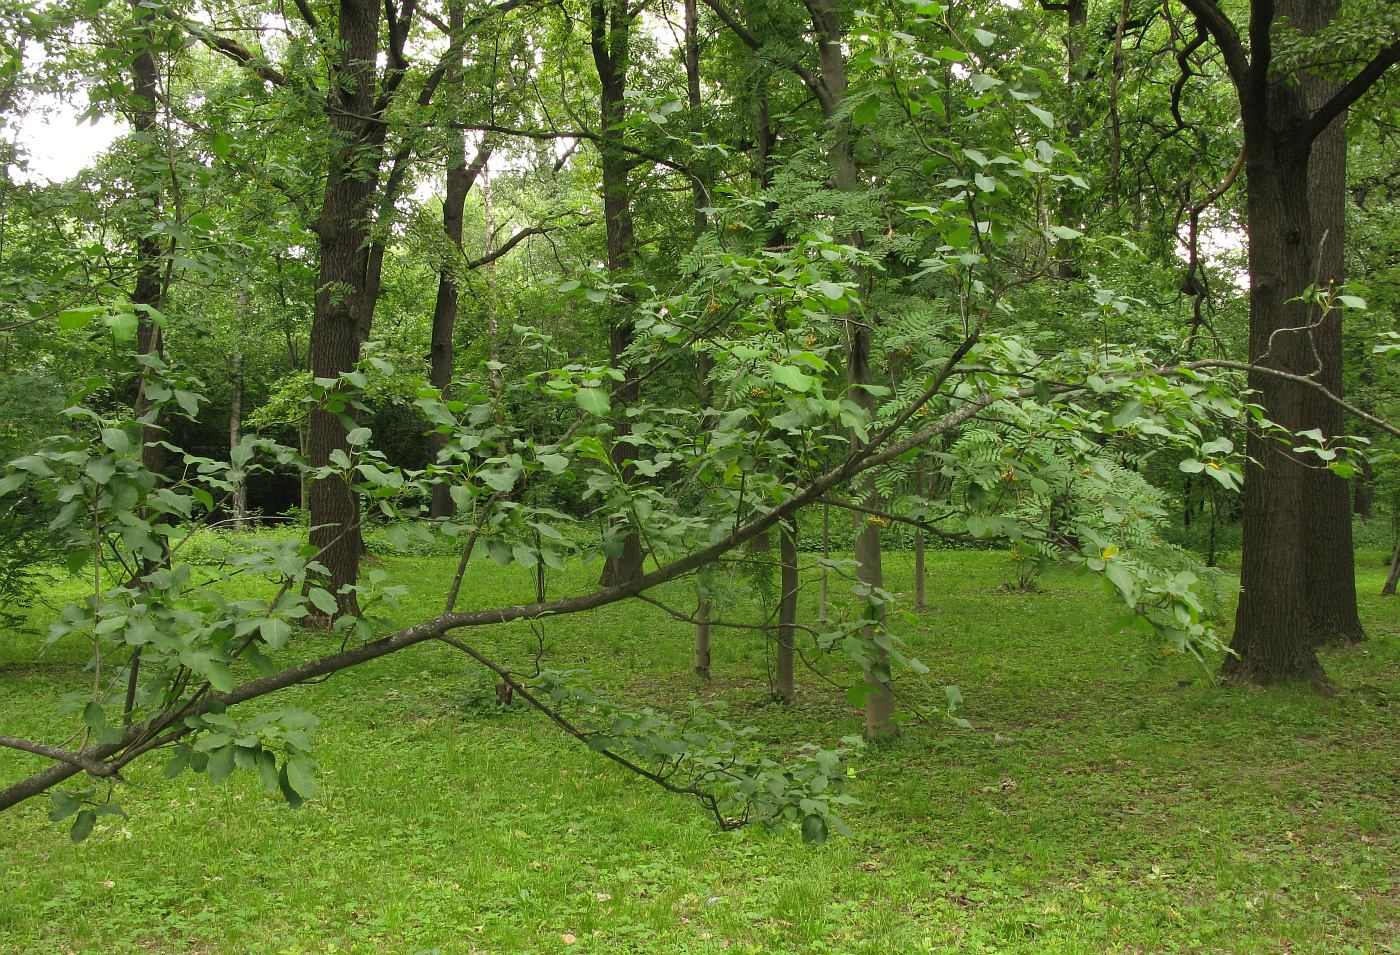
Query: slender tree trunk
784	689
1365	490
149	290
702	638
1330	562
879	699
239	496
610	37
1388	589
826	556
920	581
340	323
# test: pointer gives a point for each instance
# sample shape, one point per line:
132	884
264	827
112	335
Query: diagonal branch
1342	100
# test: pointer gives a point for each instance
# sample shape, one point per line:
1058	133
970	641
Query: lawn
1107	798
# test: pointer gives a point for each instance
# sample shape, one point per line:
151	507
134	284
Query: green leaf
792	378
220	764
276	632
322	601
1045	116
12	482
831	290
220	676
78	317
357	437
595	401
221	145
813	829
288	793
554	463
866	112
301	776
82	825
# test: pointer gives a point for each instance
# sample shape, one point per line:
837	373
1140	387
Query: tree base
1304	671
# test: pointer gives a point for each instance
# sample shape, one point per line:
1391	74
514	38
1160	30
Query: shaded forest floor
1108	798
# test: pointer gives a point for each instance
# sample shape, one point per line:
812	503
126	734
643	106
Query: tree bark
1330	562
610	37
343	310
1272	641
1388	588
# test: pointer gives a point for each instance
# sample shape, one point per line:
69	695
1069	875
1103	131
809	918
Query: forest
700	476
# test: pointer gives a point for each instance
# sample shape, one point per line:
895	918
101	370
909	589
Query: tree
1273	641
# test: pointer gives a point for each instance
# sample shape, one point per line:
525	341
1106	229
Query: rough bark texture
610	38
1272	641
341	321
784	689
1330	564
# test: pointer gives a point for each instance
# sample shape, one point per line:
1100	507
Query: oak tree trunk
341	321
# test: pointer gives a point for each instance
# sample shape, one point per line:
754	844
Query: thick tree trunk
784	689
1329	562
610	37
1272	640
341	320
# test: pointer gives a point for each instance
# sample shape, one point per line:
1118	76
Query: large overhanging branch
881	449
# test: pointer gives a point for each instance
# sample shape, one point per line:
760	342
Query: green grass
1107	799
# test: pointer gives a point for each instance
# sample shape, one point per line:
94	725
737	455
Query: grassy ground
1107	799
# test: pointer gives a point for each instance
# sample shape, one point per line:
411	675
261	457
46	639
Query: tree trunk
341	321
784	689
610	36
238	499
826	556
442	357
920	582
879	699
1388	589
1272	639
149	290
1330	563
1364	490
702	639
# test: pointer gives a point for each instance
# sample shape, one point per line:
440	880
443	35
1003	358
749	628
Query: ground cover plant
1106	797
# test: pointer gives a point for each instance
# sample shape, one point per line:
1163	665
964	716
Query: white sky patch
57	146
